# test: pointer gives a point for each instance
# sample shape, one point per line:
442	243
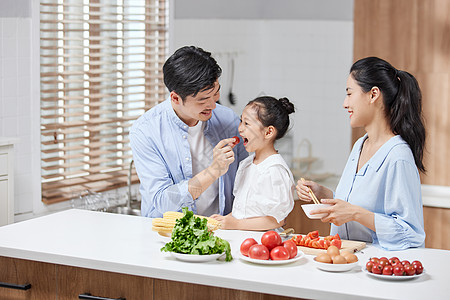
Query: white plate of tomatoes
271	251
393	268
393	277
299	255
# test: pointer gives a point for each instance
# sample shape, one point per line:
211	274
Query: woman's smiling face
357	103
251	130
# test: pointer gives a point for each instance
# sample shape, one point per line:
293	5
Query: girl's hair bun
287	105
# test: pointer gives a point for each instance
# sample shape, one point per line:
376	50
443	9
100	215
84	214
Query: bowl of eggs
335	260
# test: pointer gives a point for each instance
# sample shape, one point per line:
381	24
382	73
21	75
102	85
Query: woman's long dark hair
402	100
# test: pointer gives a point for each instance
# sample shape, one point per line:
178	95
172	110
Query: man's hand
223	156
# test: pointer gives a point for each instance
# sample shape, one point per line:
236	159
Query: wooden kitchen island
74	253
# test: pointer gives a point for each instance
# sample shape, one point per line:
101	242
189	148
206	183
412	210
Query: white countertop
126	244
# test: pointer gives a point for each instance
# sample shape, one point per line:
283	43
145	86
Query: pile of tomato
393	266
271	247
312	240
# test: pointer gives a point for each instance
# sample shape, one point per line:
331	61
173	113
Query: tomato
305	241
393	260
384	261
399	270
315	244
297	240
291	247
405	262
369	266
416	262
246	244
258	251
313	234
279	253
271	239
418	267
322	244
388	270
336	236
377	268
236	141
375	260
337	243
410	270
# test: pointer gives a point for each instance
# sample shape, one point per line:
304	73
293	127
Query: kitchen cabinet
24	279
73	282
50	281
111	255
6	181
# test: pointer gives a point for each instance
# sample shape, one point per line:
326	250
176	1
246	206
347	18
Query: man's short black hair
190	70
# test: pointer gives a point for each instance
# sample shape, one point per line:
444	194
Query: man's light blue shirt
388	185
162	157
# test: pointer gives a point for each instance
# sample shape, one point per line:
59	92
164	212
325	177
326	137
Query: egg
324	258
332	251
339	259
345	253
351	258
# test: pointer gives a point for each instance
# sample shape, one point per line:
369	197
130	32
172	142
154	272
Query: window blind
101	68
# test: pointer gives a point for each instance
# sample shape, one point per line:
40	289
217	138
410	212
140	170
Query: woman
378	198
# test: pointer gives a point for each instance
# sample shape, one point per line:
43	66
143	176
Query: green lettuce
191	236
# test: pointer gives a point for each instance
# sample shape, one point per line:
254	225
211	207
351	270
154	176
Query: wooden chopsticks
314	198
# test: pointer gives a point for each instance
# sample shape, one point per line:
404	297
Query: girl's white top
265	189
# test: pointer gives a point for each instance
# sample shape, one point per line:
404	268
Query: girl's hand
226	222
303	187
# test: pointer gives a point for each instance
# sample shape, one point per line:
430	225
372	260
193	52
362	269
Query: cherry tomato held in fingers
399	270
279	253
271	239
258	252
246	244
236	141
291	247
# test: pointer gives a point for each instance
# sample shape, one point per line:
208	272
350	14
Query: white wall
303	54
16	104
306	61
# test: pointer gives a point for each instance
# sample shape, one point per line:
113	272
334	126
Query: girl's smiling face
251	130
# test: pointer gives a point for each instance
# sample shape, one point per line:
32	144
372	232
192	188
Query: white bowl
335	267
307	208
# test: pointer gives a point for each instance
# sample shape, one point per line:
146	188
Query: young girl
264	184
378	198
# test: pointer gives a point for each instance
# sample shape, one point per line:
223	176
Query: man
183	147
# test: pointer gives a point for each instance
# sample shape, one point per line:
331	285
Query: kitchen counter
126	244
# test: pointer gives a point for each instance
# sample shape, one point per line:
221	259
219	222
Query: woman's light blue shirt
389	186
162	157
